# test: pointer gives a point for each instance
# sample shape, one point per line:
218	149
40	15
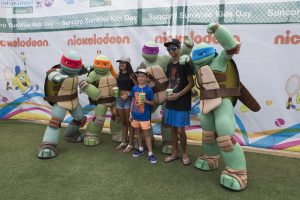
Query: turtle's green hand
60	78
184	59
212	27
188	42
83	85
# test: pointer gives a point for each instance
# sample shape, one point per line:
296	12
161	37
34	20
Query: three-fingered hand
60	78
184	59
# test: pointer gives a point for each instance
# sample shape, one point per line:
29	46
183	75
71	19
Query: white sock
150	153
141	148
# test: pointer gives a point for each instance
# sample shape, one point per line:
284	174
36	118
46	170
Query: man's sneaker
137	153
152	159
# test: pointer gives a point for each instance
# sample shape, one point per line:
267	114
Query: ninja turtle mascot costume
220	88
99	87
157	68
61	91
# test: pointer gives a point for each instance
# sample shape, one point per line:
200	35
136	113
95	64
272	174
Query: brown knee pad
226	143
55	122
99	121
79	123
209	137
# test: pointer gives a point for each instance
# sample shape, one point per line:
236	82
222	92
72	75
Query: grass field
102	172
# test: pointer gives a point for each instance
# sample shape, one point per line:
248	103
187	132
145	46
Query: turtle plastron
208	82
105	86
69	87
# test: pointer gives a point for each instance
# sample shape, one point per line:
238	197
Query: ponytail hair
131	73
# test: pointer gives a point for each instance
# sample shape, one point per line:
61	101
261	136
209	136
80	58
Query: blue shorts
121	104
177	118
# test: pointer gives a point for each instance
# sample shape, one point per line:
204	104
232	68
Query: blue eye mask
198	54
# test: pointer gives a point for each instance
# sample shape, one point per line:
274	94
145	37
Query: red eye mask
74	64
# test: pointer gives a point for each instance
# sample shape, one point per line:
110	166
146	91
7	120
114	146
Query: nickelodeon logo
287	38
197	39
24	43
96	40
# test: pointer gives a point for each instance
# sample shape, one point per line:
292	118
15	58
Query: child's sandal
186	161
121	146
128	149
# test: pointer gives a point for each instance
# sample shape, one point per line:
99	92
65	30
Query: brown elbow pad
235	50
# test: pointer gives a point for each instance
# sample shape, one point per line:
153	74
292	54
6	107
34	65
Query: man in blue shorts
178	104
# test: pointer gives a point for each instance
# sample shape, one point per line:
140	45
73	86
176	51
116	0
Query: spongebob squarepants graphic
292	88
20	80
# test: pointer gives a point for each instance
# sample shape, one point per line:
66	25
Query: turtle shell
233	81
232	78
51	88
228	79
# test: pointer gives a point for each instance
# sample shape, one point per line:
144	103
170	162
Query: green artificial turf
102	172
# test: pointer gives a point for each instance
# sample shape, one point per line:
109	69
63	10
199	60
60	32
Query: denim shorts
121	104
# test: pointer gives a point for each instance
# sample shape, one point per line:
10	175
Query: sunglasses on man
171	48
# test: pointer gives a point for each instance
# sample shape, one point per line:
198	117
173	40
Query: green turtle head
203	54
101	71
150	51
71	63
102	64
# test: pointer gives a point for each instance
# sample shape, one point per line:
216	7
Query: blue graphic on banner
276	138
70	1
242	128
14	104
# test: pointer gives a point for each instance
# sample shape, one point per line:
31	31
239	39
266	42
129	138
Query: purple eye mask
150	50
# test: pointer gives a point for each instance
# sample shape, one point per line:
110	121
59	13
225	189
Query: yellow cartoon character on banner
292	88
21	80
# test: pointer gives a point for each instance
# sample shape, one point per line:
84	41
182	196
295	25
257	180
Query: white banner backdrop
268	64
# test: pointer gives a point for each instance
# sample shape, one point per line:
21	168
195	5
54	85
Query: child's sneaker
152	159
137	153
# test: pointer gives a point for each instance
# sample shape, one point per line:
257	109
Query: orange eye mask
106	64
